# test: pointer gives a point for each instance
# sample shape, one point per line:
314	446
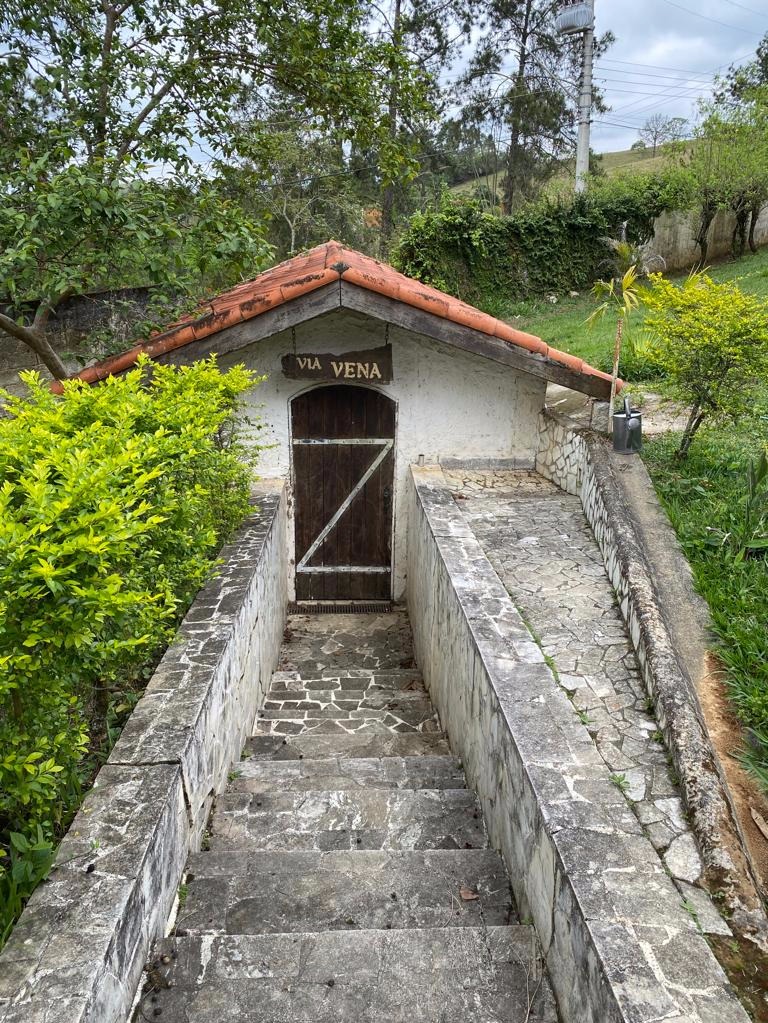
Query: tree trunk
706	218
695	420
739	236
388	194
615	373
510	185
754	213
34	338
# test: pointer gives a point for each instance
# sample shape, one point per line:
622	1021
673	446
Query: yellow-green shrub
711	341
113	503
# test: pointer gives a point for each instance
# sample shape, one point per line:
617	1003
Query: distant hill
620	162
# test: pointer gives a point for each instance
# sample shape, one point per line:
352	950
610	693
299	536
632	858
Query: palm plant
621	295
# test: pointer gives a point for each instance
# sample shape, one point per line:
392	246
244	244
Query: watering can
627	430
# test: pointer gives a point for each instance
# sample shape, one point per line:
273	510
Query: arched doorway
343	470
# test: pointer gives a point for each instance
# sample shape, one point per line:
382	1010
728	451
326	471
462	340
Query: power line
653	67
662	67
705	17
760	14
616	124
670	79
662	95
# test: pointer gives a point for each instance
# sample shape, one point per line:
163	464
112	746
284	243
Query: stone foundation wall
79	949
562	453
619	946
669	628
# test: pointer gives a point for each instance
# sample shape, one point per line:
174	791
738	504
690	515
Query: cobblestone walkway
347	876
542	548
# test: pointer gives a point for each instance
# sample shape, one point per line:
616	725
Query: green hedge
554	245
113	503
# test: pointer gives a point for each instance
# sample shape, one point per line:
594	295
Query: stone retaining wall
618	943
669	628
78	951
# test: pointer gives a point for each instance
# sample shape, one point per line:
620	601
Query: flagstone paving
347	876
540	544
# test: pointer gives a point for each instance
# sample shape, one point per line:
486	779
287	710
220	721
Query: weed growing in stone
620	781
690	909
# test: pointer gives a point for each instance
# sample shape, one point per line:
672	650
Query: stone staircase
347	875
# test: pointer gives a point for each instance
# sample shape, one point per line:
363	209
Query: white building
368	371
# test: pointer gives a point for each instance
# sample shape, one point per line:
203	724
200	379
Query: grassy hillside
621	162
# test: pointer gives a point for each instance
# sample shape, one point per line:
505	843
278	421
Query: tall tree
659	129
741	79
426	33
302	180
105	95
744	88
524	75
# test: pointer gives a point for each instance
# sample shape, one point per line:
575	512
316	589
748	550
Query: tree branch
36	340
45	309
152	104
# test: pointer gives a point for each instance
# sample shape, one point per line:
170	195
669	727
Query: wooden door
343	471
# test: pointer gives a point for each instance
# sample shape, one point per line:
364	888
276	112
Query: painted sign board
374	365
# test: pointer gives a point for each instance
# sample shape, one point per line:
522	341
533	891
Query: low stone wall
619	945
668	625
78	951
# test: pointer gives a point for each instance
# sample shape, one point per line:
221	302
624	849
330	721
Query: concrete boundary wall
674	237
78	951
618	943
669	627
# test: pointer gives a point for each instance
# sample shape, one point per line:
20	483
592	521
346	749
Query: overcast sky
666	55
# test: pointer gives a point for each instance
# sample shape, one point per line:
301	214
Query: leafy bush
113	503
638	359
557	244
711	340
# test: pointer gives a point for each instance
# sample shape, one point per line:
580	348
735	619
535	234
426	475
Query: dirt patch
745	966
727	737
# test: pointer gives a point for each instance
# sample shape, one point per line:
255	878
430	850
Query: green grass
563	324
702	495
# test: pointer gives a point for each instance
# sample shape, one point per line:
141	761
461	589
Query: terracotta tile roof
306	273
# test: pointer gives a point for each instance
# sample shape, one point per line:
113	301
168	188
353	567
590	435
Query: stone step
398	716
425	772
292	681
343	699
436	975
361	819
315	669
355	744
230	893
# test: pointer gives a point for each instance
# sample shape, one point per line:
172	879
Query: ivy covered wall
555	245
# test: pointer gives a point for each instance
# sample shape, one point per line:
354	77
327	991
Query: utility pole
585	110
578	17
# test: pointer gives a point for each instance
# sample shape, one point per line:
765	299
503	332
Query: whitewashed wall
450	405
